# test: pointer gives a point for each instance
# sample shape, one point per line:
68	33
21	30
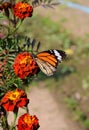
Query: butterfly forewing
59	54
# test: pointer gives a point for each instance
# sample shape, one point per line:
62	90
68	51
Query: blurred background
61	101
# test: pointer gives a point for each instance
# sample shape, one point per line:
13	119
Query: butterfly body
48	60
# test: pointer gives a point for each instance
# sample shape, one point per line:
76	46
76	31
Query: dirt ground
83	2
51	116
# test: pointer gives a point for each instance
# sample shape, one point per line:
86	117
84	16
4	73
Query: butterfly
48	60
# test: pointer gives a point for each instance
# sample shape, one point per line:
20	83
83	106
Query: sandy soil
51	116
83	2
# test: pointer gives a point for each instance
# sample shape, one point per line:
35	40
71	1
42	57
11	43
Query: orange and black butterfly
48	60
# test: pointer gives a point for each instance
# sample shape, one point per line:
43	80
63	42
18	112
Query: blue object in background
75	5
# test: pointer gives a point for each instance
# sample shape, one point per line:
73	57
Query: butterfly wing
48	60
45	67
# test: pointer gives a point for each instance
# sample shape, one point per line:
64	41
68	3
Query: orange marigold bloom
27	122
24	65
14	99
22	10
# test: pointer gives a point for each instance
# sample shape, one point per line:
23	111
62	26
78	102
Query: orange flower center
26	60
14	95
23	5
27	120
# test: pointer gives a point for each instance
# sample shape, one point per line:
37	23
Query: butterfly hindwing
48	60
45	67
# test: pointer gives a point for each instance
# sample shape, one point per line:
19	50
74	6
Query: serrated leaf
19	48
11	58
48	5
38	46
35	2
28	42
11	55
24	45
56	3
44	3
33	43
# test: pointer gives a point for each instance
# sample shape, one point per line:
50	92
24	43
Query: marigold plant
20	63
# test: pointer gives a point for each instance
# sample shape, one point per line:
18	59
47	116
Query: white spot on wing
51	51
59	57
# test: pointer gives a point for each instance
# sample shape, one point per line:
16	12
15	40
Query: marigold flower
14	99
22	10
27	122
24	65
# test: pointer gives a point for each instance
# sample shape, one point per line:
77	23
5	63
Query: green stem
13	126
17	27
15	117
5	125
27	110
